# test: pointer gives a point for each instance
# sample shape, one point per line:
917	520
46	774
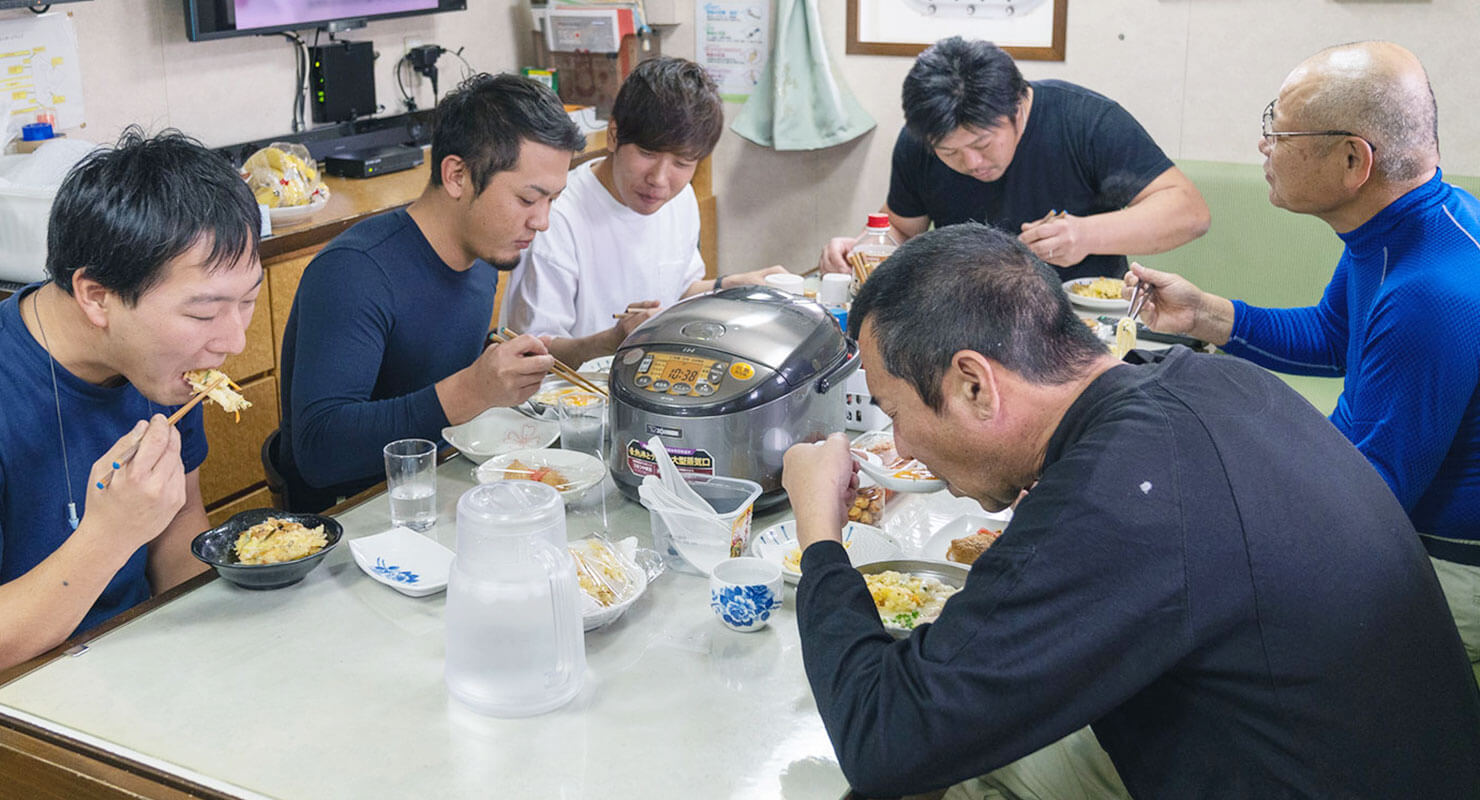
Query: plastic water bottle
876	244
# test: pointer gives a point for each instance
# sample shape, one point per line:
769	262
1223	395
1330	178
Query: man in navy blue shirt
152	271
385	340
1204	571
982	144
1351	139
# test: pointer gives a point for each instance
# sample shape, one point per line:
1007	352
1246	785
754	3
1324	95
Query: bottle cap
36	131
878	220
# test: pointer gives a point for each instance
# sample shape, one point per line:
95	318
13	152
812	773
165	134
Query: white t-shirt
598	257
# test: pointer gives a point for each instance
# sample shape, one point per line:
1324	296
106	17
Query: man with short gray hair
1351	139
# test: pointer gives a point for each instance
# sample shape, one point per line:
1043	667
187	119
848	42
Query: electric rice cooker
728	381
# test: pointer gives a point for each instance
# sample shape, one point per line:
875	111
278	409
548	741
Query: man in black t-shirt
982	144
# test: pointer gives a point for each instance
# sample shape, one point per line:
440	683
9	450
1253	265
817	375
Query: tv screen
215	19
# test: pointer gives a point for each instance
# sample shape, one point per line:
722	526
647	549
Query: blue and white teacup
744	591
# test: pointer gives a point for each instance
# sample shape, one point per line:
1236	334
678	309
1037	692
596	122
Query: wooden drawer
235	460
260	498
258	356
283	276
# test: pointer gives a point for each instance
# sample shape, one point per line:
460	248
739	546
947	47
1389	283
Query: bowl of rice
266	548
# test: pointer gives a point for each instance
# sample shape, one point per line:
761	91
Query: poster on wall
1027	29
39	72
732	42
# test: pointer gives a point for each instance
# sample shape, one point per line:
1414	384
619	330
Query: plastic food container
695	549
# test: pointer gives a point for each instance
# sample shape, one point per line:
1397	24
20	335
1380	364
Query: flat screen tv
216	19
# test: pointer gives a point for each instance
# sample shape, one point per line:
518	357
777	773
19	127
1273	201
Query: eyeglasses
1269	135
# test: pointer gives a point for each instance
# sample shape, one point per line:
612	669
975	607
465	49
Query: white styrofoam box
860	414
28	184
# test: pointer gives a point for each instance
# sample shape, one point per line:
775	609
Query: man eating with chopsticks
624	236
1068	170
152	272
385	340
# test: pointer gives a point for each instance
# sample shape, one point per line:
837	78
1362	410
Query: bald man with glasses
1352	139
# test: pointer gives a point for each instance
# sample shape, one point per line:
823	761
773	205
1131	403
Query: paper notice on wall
733	41
39	71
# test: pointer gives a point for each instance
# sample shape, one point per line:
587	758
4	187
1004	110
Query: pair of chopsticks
629	312
128	455
1139	294
1051	216
559	368
860	267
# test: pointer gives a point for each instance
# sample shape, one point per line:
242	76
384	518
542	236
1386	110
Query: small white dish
580	470
498	431
292	215
874	452
600	364
936	546
865	544
404	560
640	567
1118	306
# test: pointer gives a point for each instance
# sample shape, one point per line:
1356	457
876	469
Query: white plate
1117	306
600	364
498	431
404	560
641	568
291	215
865	544
936	546
581	470
900	477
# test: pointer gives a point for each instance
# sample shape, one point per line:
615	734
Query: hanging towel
798	104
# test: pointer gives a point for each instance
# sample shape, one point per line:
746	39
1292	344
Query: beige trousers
1073	768
1461	585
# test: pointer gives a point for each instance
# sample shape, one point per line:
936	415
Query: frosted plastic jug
515	646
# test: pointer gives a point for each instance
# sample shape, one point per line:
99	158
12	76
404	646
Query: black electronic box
373	161
342	81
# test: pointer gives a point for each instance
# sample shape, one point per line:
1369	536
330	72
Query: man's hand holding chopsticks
134	499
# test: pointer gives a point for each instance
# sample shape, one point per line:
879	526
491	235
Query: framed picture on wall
1027	29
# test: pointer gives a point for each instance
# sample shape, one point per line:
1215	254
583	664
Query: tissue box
860	414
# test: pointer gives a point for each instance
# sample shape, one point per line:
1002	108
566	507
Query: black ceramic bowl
217	548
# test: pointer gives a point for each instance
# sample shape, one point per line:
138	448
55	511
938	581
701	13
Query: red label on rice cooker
641	462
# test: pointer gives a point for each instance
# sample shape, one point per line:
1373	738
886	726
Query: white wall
1197	73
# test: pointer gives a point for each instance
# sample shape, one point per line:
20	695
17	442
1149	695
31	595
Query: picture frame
1027	29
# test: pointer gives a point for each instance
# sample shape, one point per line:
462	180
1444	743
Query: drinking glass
411	481
583	422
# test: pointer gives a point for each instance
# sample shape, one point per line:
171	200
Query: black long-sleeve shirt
1209	574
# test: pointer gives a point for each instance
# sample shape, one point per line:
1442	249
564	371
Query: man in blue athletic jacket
1351	139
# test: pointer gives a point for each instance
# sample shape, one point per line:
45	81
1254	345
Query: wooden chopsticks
559	368
860	267
128	455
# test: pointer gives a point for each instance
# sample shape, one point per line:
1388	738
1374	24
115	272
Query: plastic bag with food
284	175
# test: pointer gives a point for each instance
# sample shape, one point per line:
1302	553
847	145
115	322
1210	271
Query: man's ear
611	136
94	299
1360	160
455	178
971	381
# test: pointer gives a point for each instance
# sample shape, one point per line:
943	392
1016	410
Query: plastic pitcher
515	645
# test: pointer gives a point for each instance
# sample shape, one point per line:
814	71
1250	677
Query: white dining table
333	687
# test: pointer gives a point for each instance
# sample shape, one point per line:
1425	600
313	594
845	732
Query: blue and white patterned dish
404	560
744	591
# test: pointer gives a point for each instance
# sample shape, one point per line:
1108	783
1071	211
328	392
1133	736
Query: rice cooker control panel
681	375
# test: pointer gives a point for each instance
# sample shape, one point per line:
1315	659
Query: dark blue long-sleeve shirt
1401	321
1207	573
379	318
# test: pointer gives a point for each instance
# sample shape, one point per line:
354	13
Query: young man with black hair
152	271
983	144
624	238
385	340
1205	571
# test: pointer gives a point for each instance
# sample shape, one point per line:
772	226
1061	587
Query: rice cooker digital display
671	373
